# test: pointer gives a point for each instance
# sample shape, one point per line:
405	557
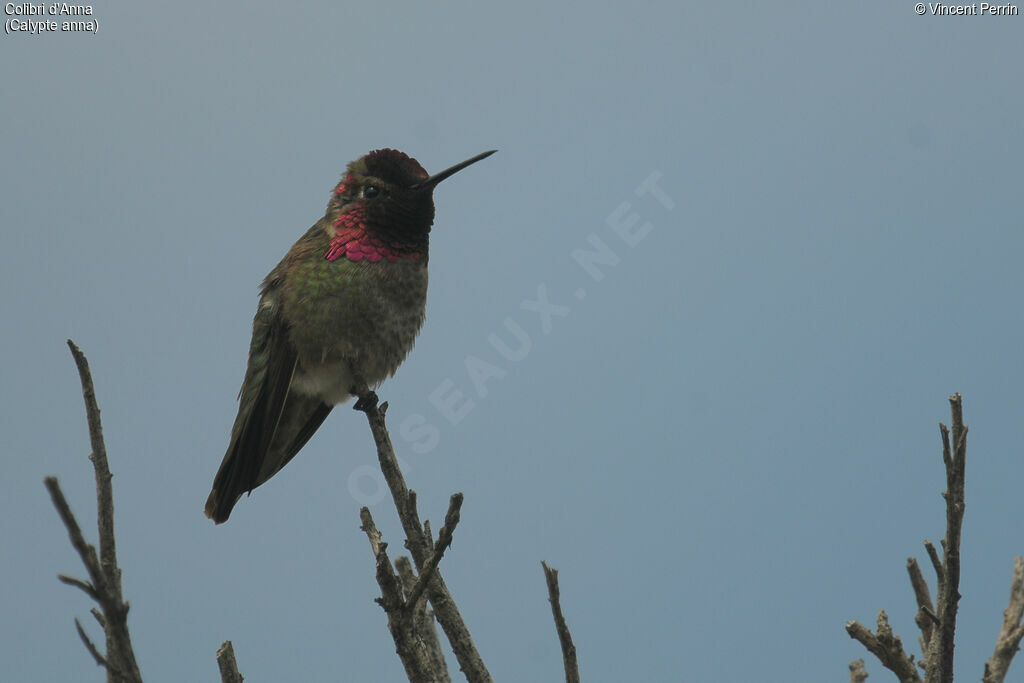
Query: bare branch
887	646
933	555
104	574
445	609
423	622
85	551
114	612
391	588
1012	631
572	669
451	520
940	648
78	583
228	666
938	625
925	617
416	655
857	672
100	660
104	489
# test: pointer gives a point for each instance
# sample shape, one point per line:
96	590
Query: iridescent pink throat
354	243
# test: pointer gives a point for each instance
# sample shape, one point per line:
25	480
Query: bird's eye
370	191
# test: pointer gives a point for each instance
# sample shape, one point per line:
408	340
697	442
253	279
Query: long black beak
433	180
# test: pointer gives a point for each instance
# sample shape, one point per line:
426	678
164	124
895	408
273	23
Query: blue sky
727	443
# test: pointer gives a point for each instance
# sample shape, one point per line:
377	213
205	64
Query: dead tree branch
857	672
228	666
887	646
939	657
410	621
925	617
417	542
104	584
90	646
444	539
414	649
572	669
1012	632
423	621
938	623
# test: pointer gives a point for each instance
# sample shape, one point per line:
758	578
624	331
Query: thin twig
85	551
1012	631
100	659
451	520
572	669
104	489
78	583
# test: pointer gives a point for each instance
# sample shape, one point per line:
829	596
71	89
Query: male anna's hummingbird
347	300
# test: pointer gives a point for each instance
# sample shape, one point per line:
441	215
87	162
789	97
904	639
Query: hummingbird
345	304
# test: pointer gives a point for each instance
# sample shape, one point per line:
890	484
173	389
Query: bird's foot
365	402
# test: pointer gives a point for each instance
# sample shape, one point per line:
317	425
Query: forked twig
104	585
445	610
